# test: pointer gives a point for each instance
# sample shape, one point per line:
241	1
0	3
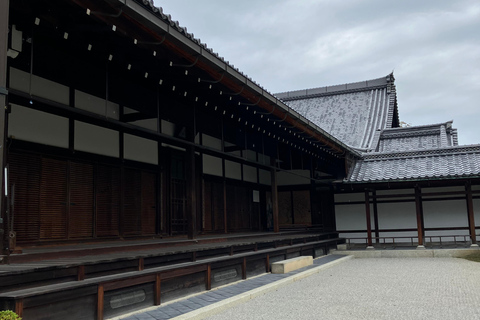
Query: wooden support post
471	215
208	277
244	268
191	192
141	264
369	222
81	273
19	307
4	11
276	226
158	285
225	225
375	217
419	212
100	295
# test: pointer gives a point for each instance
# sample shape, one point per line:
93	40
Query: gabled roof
443	163
355	113
432	136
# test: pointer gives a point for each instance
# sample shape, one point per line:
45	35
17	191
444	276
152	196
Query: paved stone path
410	288
208	298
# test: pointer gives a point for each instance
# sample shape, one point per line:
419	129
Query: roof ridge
422	152
337	89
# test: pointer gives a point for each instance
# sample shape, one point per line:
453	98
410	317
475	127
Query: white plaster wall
96	105
249	173
211	142
140	149
250	155
351	217
168	128
400	215
449	213
293	177
476	211
94	139
37	126
212	165
41	87
233	170
150	124
476	187
265	177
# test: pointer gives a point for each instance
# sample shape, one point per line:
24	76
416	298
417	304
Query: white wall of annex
444	214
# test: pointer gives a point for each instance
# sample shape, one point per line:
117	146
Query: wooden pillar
471	216
276	227
375	217
100	302
191	193
158	286
369	223
419	212
4	10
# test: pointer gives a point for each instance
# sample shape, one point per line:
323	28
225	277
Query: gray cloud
433	45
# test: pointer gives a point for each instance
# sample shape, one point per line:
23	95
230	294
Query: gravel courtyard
416	288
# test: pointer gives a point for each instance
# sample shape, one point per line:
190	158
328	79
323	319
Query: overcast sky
433	47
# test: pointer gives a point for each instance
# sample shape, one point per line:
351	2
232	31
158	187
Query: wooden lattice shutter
108	201
53	199
81	200
24	186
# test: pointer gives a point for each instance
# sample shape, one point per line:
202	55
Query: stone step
293	264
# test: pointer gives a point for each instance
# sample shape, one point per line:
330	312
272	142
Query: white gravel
416	288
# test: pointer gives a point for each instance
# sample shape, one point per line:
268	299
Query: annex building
118	124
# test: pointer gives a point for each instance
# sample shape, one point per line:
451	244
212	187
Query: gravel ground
417	288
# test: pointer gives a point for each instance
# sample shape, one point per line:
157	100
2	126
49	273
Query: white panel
395	191
150	124
293	177
264	159
212	165
476	188
94	139
476	211
265	177
251	155
249	174
37	126
400	215
168	128
50	90
140	149
350	197
351	217
448	213
211	142
19	80
233	170
96	105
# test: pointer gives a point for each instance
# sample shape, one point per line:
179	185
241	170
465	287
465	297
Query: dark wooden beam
158	285
419	212
208	277
471	215
191	192
4	10
100	296
276	226
369	222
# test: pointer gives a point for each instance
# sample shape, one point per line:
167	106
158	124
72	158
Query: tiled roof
417	138
353	113
450	162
